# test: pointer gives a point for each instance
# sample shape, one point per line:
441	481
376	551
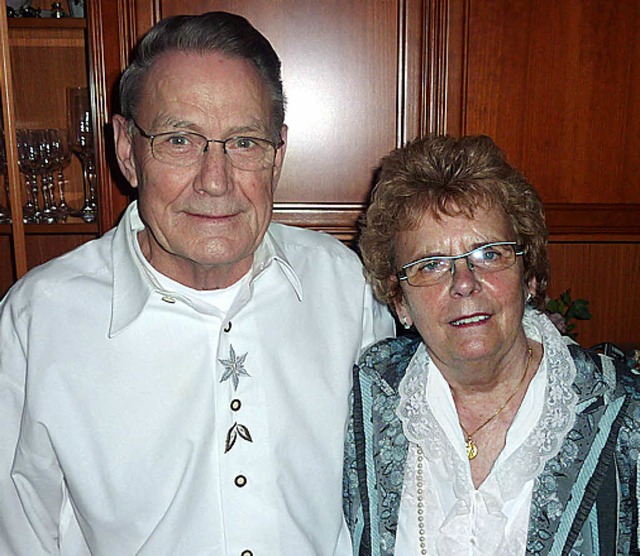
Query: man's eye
178	140
242	143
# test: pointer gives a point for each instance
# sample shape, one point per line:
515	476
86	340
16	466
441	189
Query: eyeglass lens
486	258
187	149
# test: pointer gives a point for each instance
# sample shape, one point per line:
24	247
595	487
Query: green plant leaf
555	306
565	297
579	309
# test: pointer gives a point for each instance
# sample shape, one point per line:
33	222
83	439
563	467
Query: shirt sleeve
21	530
377	321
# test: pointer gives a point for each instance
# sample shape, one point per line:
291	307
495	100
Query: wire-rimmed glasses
487	258
187	148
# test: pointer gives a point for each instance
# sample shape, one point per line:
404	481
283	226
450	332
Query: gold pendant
472	449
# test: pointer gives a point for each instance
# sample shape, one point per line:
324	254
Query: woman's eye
429	267
490	255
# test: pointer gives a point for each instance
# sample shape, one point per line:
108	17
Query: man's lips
210	217
471	320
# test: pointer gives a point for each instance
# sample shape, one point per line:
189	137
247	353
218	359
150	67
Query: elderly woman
487	432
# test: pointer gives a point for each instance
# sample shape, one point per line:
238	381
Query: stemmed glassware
61	159
43	155
28	164
46	166
81	144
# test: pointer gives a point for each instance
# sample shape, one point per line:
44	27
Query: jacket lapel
565	491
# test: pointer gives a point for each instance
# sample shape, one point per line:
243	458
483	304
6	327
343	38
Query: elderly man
180	385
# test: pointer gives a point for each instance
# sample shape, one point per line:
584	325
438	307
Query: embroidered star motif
234	367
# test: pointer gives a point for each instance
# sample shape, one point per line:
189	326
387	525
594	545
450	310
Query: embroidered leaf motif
244	432
234	367
236	430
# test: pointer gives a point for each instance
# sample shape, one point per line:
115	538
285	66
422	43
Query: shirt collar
132	285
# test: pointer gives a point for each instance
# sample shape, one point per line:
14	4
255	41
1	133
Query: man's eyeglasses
187	148
491	257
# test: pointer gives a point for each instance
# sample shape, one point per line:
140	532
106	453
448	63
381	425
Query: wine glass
45	170
28	164
81	144
61	156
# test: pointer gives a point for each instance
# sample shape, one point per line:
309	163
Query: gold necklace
472	447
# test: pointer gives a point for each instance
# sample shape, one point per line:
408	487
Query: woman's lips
471	320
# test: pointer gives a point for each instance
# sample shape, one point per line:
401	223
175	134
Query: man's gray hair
222	32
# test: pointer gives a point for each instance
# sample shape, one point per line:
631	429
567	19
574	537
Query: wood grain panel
557	85
7	270
42	248
608	276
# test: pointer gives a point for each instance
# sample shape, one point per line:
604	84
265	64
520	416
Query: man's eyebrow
171	122
256	127
168	123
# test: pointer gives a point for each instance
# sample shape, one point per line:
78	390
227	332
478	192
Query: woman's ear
531	289
402	312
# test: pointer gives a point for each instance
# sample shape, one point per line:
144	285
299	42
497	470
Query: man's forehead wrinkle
204	104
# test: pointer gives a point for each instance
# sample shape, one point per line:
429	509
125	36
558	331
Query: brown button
236	404
227	328
246	553
240	481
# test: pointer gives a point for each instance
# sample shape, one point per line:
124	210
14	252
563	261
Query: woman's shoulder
613	370
387	360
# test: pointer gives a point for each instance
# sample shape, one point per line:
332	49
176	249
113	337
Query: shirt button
235	404
246	553
227	328
240	481
168	299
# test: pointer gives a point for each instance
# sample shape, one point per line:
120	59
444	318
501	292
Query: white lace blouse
493	519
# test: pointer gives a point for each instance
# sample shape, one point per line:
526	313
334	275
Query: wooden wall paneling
43	247
607	275
15	257
414	39
556	85
7	269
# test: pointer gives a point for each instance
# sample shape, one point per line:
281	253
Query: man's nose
213	176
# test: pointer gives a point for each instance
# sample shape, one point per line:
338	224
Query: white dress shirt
146	419
492	520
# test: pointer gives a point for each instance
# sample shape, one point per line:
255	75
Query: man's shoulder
63	275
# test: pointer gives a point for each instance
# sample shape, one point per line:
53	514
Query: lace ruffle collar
527	460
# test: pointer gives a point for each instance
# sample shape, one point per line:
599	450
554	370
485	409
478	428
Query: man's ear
277	166
124	149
